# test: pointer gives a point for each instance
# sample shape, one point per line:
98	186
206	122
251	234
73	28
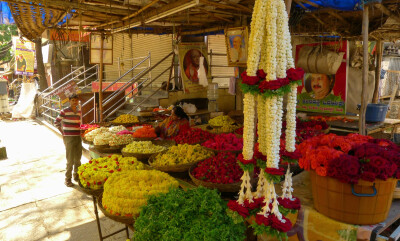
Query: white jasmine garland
271	40
248	126
256	36
278	131
273	109
281	43
261	123
291	119
287	185
275	209
267	198
248	193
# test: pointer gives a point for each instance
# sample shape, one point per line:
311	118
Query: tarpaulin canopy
343	5
6	16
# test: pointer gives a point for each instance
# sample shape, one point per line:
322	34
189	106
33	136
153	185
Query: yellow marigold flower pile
182	154
222	120
94	174
126	118
126	192
143	147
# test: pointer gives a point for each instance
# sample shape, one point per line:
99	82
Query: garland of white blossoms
269	50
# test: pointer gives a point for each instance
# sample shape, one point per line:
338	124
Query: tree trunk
40	65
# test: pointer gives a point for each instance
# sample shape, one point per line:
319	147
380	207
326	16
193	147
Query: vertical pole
101	78
288	5
151	85
365	23
119	67
378	68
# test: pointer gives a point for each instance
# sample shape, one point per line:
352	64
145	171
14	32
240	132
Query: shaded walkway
34	202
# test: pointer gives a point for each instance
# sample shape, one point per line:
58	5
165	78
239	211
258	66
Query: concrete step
146	100
130	106
159	94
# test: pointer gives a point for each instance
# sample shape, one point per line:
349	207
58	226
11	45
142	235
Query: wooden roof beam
75	5
388	12
157	14
225	6
116	4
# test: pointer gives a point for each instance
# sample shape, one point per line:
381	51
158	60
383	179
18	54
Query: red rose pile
193	136
350	158
222	168
225	142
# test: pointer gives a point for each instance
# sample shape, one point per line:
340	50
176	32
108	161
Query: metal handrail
121	77
118	91
60	80
141	75
148	97
134	94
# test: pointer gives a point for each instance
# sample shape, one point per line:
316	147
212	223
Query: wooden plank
378	68
392	96
365	26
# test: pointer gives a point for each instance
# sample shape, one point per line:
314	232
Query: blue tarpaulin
5	15
343	5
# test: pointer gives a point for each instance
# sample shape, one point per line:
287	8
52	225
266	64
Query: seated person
177	123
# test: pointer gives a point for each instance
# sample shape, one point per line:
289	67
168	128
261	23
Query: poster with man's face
236	42
24	56
190	62
321	92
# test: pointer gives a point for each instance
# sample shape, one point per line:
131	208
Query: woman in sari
177	123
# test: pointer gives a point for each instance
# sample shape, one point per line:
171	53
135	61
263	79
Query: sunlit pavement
34	202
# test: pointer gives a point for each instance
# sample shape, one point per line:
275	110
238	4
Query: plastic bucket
376	112
364	203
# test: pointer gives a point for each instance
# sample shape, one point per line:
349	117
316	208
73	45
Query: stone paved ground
34	202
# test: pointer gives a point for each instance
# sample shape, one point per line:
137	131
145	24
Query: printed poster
321	92
24	57
189	60
66	91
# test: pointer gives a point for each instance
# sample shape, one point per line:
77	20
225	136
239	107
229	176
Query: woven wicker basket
145	156
86	141
176	168
89	191
124	124
121	219
230	187
144	139
106	149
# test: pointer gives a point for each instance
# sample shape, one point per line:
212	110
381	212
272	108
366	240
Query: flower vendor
177	123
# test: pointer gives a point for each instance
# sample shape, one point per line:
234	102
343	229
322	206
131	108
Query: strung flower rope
261	130
260	184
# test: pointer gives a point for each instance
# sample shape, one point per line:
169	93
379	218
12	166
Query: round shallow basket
124	124
117	147
145	156
86	141
106	149
175	168
121	219
89	191
144	139
217	151
230	187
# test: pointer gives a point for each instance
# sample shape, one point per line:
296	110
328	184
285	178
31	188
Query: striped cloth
70	122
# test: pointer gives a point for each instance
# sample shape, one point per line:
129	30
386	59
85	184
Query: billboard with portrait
189	60
321	90
236	43
24	56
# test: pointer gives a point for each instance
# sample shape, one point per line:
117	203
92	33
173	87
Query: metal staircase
135	92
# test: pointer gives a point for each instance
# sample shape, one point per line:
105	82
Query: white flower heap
269	76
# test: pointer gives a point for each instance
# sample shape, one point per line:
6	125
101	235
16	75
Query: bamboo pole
101	77
365	23
378	68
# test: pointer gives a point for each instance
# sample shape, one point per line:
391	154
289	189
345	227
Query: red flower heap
193	136
222	168
225	142
350	158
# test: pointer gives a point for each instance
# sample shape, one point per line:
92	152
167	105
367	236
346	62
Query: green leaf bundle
195	214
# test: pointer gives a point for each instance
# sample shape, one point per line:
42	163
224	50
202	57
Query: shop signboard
189	60
24	56
321	90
